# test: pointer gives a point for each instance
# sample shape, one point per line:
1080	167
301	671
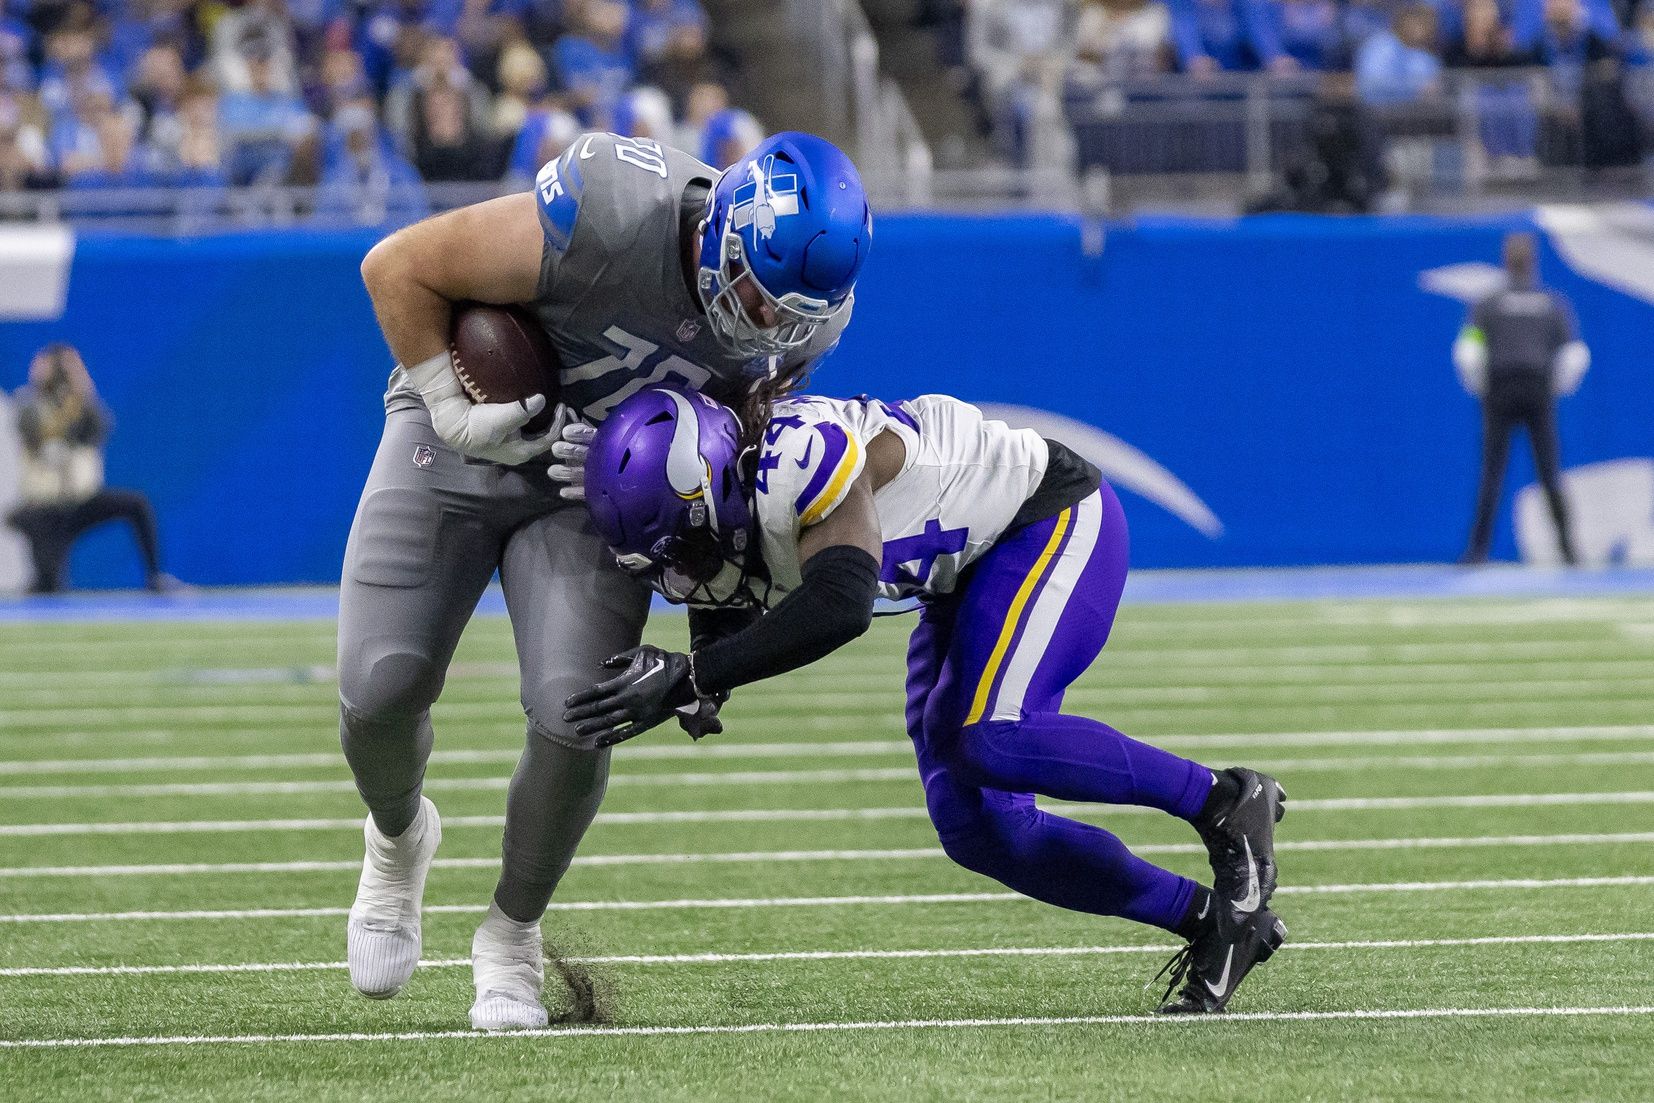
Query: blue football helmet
791	217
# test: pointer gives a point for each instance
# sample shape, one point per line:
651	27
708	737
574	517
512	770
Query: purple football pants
987	669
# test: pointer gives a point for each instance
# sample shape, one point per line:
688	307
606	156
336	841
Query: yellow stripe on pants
979	703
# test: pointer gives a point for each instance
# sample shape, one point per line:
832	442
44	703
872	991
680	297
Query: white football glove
575	440
491	431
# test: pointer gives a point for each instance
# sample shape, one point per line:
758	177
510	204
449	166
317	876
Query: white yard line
438	785
626	779
1161	1021
846	748
1125	653
1308	737
1146	721
826	815
767	856
262	691
1456	762
746	903
333	759
821	955
1525	689
1548	611
1360	662
196	827
1392	737
1163	697
491	862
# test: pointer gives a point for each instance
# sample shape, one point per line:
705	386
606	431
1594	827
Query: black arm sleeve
832	607
709	625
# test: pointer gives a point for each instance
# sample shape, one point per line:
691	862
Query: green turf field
1467	871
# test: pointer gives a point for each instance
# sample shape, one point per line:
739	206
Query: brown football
501	354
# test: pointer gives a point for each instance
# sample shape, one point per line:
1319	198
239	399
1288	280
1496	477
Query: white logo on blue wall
1612	503
765	197
1121	464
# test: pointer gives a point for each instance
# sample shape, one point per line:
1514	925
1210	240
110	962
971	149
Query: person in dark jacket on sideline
1518	352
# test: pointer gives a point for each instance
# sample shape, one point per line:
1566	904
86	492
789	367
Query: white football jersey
963	480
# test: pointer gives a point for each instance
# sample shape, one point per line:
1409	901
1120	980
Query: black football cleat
1240	840
1210	968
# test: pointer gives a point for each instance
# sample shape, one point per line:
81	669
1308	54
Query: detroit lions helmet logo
765	197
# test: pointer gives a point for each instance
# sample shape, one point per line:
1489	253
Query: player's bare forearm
488	252
854	523
413	318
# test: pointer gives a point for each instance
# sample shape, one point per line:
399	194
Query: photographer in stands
63	426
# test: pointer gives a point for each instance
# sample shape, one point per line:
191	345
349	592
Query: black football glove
653	683
700	717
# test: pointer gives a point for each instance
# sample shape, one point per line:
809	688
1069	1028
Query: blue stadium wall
1289	376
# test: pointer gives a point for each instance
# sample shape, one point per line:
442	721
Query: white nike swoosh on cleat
1250	902
1222	985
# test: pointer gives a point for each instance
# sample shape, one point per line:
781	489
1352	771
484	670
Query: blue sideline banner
1265	392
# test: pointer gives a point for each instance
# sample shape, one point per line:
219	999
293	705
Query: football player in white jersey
1017	551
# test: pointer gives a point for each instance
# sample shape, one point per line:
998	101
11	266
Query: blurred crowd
1394	46
347	93
1595	55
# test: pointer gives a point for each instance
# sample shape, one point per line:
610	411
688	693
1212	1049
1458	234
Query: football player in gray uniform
644	266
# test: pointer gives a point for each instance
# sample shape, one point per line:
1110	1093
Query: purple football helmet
664	490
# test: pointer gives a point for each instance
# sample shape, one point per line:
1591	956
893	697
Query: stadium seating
1229	86
364	102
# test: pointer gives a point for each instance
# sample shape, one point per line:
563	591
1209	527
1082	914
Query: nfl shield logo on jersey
424	455
687	329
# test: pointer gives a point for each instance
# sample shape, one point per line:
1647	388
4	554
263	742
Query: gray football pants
429	532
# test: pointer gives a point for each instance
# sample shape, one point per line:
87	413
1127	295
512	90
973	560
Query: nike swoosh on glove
652	684
569	450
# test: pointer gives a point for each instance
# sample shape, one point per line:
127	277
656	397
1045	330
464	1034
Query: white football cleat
383	935
508	965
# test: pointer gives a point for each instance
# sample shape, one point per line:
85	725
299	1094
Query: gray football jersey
612	294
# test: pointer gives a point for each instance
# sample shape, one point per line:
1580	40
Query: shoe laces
1180	966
